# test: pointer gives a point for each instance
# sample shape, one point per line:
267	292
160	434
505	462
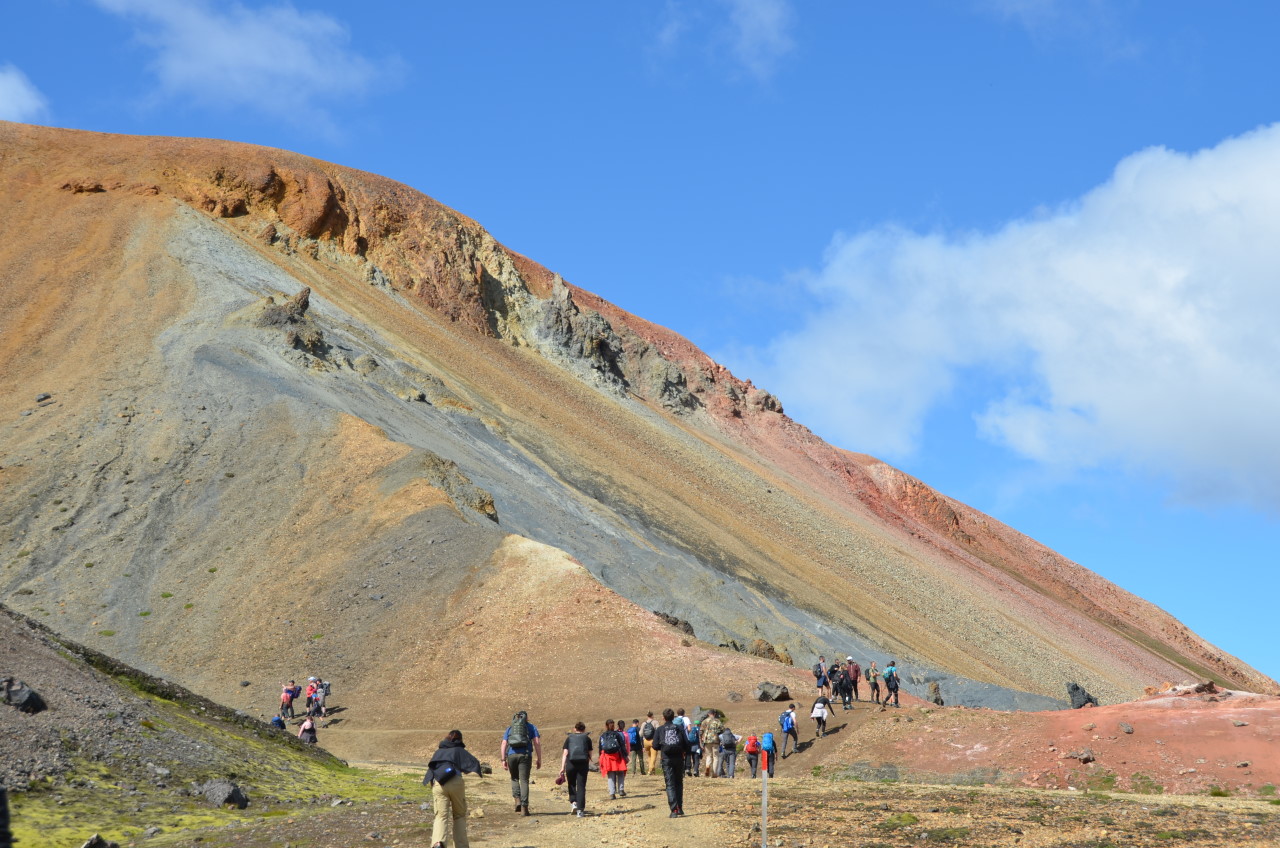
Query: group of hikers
315	707
684	746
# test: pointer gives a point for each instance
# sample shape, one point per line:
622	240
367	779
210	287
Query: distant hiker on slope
448	796
820	675
287	694
891	682
787	723
575	762
613	759
672	742
307	732
873	677
519	743
821	710
855	675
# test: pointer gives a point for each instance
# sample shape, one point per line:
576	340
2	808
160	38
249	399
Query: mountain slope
300	413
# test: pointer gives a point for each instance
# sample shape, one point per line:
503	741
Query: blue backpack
766	743
633	736
786	722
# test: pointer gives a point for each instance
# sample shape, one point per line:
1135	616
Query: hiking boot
518	805
526	810
582	814
673	814
622	794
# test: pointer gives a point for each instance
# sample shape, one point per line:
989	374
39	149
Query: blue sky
1026	250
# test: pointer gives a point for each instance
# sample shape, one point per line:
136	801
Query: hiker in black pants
673	743
574	764
891	683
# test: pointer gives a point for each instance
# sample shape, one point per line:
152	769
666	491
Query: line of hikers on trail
686	747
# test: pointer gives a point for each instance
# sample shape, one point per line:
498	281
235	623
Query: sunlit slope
313	482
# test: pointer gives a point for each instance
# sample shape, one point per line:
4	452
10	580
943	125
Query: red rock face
725	474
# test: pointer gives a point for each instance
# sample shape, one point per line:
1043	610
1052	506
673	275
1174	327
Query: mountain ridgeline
265	413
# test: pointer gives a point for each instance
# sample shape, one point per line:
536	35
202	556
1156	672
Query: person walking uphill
891	683
574	764
444	776
647	730
613	760
519	743
672	742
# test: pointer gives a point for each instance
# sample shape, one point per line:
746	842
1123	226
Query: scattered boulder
96	841
1125	727
733	697
772	692
1079	697
678	623
22	697
935	693
1238	723
764	650
1206	688
1084	755
221	792
43	396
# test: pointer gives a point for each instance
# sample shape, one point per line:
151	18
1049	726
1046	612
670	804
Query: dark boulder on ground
220	793
935	693
772	692
1079	697
96	841
23	697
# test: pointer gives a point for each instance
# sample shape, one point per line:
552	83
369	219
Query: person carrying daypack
855	676
647	730
728	752
752	749
873	675
613	760
520	743
574	765
891	683
711	728
672	742
768	750
787	721
635	742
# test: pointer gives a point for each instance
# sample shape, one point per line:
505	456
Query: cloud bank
19	99
273	59
1135	326
755	33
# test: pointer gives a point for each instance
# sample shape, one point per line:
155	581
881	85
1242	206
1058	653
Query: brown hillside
236	488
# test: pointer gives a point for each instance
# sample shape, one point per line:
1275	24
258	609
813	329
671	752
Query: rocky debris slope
290	412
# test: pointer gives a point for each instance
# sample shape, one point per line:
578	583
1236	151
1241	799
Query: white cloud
754	34
273	59
19	99
760	34
1139	325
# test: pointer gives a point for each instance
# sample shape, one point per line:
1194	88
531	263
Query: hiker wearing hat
855	674
519	744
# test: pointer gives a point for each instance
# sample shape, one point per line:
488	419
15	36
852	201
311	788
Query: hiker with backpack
873	677
821	675
821	710
728	745
635	746
287	694
672	742
519	743
647	731
752	749
575	762
769	750
891	683
711	727
693	763
444	776
307	732
855	675
787	722
613	760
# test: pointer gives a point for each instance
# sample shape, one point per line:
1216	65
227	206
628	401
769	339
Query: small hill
117	751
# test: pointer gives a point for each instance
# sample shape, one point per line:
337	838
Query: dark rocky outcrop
1079	697
22	697
772	692
221	793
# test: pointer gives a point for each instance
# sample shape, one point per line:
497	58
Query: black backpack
579	745
672	743
817	670
610	742
647	730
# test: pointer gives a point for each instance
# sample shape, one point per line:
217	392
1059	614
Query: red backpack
753	745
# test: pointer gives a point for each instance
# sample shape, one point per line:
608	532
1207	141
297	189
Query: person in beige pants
650	753
448	790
